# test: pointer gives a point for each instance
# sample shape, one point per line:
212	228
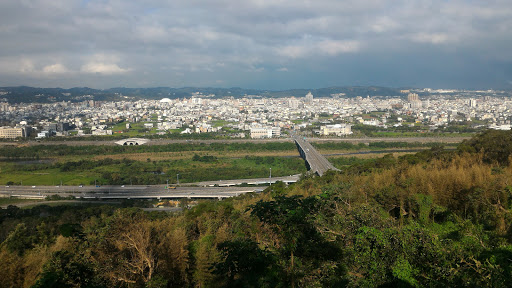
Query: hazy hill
24	94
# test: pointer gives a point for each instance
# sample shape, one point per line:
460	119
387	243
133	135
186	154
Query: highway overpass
207	189
251	181
128	192
314	161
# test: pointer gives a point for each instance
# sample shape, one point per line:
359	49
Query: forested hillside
435	218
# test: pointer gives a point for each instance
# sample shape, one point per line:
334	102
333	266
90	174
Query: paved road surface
251	181
172	141
32	203
317	163
128	192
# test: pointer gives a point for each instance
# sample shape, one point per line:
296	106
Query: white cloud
293	51
103	68
56	68
309	48
105	64
433	38
384	24
26	66
283	69
335	47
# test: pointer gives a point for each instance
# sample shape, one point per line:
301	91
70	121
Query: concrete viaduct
314	161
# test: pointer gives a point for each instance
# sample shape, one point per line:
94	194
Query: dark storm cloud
256	43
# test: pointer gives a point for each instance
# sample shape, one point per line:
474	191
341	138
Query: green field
150	165
136	129
108	171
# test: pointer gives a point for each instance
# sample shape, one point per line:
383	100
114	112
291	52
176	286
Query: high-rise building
308	98
412	97
293	103
4	106
414	101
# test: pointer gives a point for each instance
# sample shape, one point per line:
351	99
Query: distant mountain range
24	94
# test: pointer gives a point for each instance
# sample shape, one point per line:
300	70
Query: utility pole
167	185
178	179
270	177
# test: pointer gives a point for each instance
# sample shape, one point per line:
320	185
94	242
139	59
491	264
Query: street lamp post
178	179
167	185
270	177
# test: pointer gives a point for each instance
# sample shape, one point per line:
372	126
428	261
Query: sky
261	44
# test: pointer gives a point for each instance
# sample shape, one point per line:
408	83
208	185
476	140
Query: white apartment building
265	132
260	132
336	129
12	133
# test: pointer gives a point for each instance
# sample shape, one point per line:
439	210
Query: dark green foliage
68	269
69	230
244	264
206	158
19	240
495	145
292	219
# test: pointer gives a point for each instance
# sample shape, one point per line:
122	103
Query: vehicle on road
122	186
33	186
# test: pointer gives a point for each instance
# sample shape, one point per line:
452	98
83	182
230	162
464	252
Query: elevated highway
128	192
251	181
314	161
204	190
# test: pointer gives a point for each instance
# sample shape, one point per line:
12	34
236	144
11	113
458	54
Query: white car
33	186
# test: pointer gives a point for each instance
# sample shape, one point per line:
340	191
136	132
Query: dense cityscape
258	117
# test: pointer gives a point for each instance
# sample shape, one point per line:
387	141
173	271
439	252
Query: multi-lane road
207	189
172	141
317	163
126	192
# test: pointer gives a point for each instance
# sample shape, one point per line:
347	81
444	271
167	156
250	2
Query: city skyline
256	44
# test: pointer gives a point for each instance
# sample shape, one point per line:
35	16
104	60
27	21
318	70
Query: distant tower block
309	98
413	97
